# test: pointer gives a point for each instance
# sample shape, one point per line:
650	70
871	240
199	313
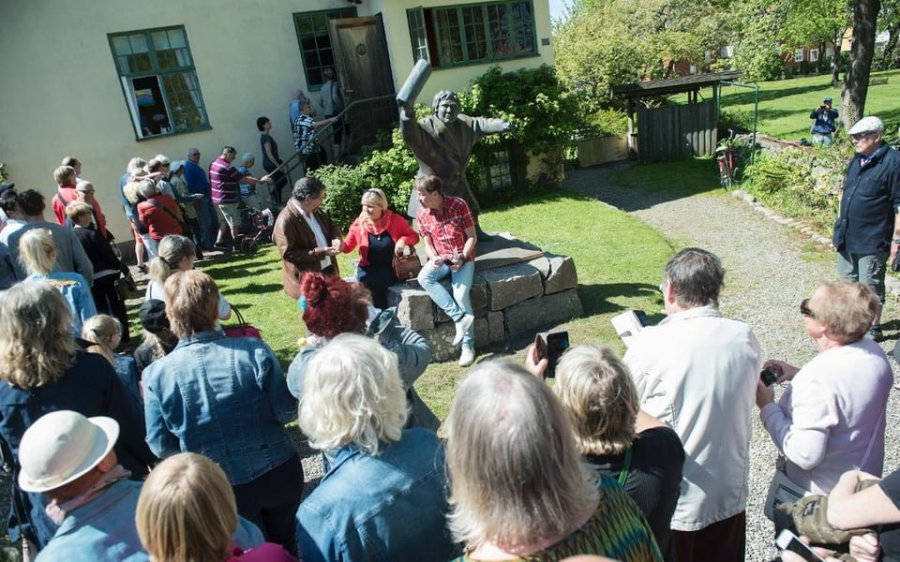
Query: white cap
62	446
870	124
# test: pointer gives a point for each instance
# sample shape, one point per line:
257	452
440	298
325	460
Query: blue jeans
867	269
209	222
457	305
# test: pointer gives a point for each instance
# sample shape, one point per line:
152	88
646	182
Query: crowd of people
180	451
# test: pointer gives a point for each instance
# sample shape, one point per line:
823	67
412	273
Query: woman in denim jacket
225	398
383	495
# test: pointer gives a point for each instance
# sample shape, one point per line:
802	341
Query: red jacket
160	218
397	228
65	194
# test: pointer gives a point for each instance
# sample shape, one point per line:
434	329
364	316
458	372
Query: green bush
800	183
739	120
609	122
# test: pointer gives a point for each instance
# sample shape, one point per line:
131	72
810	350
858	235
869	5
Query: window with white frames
159	81
798	55
813	55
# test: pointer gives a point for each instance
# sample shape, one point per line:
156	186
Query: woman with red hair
331	306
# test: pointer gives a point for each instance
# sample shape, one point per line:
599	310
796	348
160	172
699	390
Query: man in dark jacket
867	231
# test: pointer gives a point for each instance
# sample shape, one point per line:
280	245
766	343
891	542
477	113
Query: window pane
449	32
185	101
176	38
160	40
523	27
476	40
121	45
139	63
138	43
315	43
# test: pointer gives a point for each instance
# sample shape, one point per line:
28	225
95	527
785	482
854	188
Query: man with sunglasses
867	231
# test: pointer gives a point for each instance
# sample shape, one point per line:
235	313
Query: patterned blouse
617	530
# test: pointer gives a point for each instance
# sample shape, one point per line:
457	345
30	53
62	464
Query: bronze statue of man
442	144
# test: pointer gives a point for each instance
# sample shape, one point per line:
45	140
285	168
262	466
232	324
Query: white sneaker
467	357
462	327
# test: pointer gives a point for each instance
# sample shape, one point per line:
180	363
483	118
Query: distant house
106	80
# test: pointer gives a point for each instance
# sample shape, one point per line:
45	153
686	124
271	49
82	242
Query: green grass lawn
619	261
784	105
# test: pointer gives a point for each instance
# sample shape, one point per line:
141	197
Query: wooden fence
676	132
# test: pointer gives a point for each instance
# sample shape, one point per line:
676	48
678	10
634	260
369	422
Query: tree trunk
856	81
887	57
836	63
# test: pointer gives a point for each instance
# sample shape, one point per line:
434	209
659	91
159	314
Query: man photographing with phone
697	372
824	123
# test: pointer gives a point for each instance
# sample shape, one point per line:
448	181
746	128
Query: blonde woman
187	513
38	256
617	438
379	234
105	332
354	409
42	370
176	253
518	487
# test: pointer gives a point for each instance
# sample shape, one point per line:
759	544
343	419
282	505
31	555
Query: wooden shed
674	132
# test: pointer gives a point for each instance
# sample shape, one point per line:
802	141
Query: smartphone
768	377
895	265
551	346
789	541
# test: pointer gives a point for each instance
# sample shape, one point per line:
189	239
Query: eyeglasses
861	136
805	310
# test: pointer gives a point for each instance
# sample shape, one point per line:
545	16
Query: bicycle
726	159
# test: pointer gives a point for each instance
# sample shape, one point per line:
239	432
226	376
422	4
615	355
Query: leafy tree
889	22
816	22
754	27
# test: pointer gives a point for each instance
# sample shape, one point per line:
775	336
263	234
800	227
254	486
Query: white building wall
61	93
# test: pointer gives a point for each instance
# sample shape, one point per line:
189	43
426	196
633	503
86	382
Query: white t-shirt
155	291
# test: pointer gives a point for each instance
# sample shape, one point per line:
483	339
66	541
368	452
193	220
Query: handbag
243	329
406	268
781	490
126	287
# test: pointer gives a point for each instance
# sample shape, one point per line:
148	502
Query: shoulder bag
242	329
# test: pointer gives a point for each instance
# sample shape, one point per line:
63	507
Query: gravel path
770	268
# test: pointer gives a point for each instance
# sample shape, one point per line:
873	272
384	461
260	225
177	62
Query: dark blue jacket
871	197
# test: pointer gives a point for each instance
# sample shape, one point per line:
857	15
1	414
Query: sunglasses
805	310
861	136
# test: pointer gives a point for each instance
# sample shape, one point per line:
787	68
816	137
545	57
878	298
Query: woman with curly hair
43	370
379	234
331	306
382	497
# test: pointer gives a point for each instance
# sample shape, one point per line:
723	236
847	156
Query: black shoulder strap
159	205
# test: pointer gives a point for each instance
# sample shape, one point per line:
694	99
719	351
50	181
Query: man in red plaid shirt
448	229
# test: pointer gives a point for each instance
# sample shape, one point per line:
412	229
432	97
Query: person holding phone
615	436
832	416
824	123
448	229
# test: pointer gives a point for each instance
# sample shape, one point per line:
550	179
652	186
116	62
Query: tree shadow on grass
747	97
596	298
630	186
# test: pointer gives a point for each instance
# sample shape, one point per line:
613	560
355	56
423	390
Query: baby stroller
257	229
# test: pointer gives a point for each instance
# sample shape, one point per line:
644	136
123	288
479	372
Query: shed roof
674	85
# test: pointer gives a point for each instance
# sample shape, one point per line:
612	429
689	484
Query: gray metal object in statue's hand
442	142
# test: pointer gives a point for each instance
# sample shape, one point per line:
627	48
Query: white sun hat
62	446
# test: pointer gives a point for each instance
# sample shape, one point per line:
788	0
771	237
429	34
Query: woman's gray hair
247	157
597	392
516	475
36	343
162	159
135	165
171	250
37	253
147	189
352	394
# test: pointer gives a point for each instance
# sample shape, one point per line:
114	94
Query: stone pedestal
518	291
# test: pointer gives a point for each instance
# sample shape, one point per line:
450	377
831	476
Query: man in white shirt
697	372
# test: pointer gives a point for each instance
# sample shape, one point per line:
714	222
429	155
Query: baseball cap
62	446
870	124
827	100
6	186
153	316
